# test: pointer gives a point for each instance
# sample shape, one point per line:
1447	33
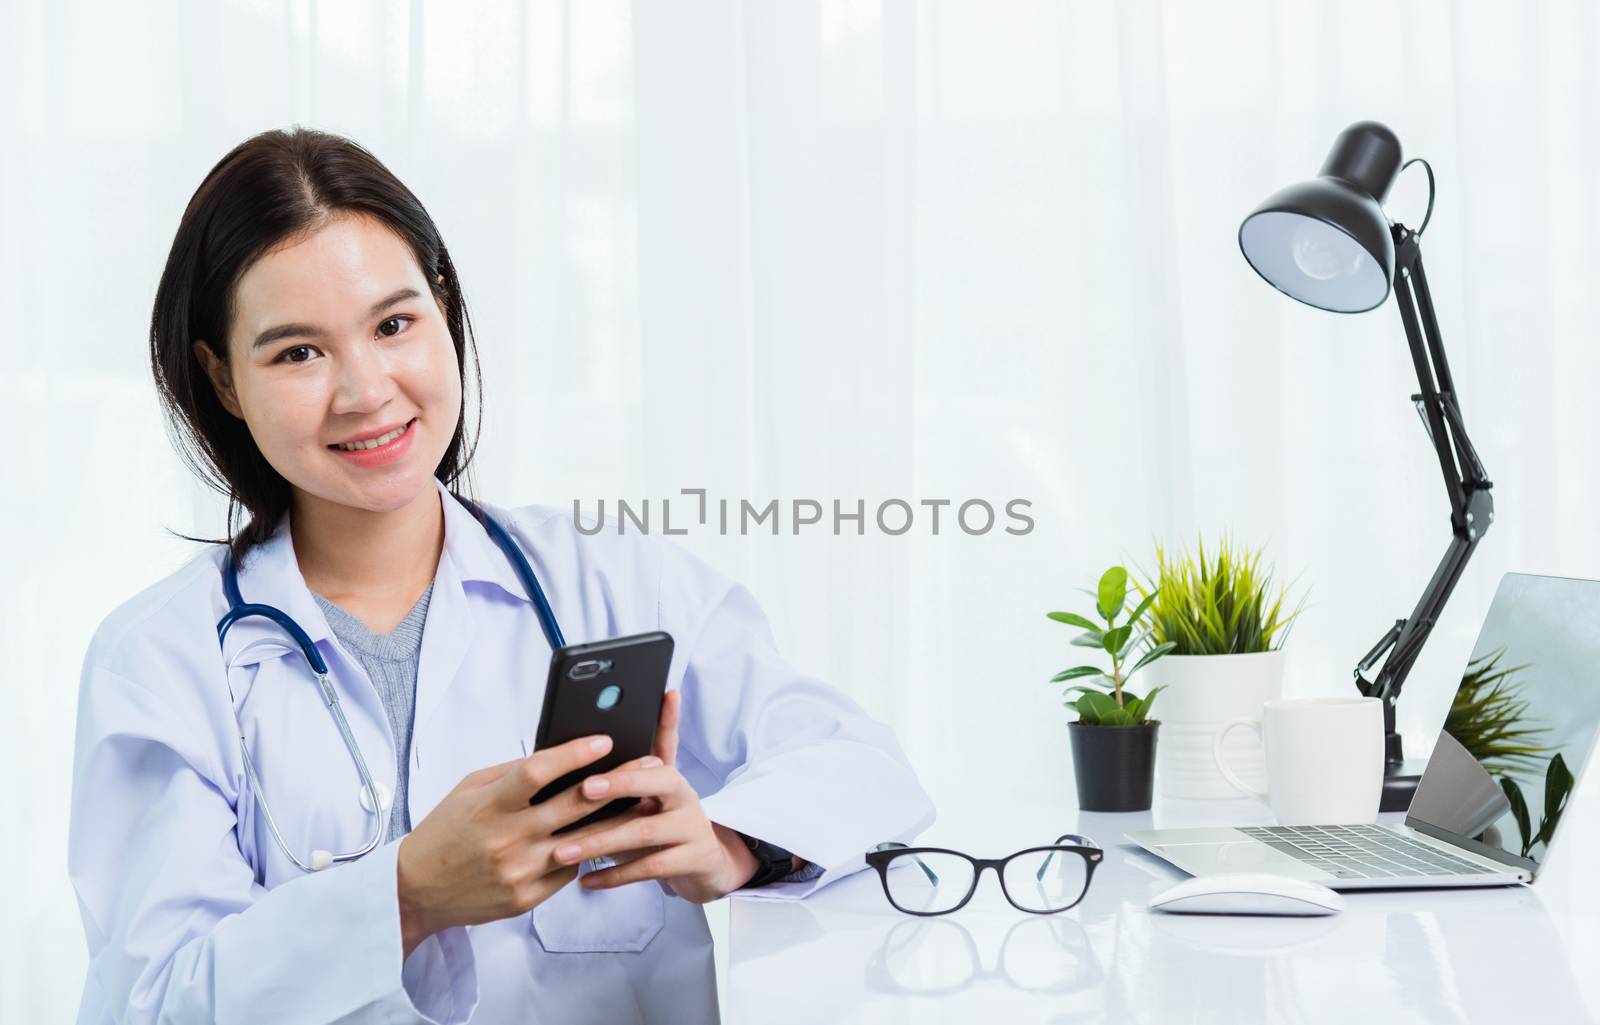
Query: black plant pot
1115	765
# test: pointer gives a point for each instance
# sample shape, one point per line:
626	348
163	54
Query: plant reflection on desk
934	957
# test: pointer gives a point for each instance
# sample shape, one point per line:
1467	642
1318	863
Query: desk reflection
1484	958
938	956
1450	957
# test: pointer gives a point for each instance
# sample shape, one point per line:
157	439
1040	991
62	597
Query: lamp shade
1326	241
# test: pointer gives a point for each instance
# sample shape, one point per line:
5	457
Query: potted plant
1114	738
1224	621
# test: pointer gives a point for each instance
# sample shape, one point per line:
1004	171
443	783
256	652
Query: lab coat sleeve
178	928
791	759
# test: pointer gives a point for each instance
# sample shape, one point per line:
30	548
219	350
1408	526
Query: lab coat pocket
623	920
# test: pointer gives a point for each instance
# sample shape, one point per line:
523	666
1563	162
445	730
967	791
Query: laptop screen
1521	725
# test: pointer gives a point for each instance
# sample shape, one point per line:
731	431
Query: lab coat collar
476	556
270	575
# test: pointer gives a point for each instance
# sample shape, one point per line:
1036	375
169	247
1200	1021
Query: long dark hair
270	188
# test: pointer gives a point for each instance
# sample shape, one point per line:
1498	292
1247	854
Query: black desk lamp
1327	243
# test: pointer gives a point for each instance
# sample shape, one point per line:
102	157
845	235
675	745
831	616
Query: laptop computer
1519	732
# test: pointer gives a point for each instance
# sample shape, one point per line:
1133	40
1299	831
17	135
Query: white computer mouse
1248	893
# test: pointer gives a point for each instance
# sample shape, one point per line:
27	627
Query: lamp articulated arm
1471	506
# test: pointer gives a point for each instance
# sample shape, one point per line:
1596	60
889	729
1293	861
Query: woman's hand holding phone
484	853
666	836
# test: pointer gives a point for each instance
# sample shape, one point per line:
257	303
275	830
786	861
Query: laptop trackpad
1186	836
1239	855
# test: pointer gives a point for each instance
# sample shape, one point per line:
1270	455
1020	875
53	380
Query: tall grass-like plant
1223	603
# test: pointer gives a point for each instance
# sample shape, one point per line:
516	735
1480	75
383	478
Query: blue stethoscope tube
239	609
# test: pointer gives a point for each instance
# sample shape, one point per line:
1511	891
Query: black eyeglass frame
880	857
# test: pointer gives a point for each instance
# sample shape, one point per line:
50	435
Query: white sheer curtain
830	250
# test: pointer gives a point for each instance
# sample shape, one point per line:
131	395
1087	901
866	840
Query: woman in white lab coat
309	303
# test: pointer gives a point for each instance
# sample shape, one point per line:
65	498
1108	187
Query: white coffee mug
1324	759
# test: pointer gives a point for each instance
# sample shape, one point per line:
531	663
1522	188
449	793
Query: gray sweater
391	660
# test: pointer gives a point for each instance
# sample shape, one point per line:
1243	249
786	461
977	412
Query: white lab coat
193	914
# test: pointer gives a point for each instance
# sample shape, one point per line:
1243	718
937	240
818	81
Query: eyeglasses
937	881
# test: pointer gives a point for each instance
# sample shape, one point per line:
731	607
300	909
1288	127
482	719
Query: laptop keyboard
1361	852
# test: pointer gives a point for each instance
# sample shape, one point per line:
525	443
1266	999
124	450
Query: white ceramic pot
1202	693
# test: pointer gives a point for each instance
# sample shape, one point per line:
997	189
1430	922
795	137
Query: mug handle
1227	773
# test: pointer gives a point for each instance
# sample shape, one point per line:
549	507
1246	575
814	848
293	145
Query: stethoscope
238	609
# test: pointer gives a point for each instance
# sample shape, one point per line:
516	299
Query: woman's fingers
573	803
533	773
663	864
663	779
613	838
660	781
552	843
643	824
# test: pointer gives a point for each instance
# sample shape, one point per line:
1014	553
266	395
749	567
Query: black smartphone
613	687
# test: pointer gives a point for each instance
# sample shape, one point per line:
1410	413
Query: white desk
1498	955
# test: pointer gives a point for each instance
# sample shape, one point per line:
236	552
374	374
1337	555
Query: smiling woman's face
336	340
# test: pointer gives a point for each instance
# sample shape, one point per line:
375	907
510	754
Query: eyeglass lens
1045	880
928	883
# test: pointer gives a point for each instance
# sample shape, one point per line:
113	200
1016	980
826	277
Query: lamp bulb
1322	261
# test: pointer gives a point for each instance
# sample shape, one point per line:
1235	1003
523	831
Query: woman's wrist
742	863
411	934
414	927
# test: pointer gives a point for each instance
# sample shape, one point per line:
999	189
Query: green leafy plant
1488	714
1102	699
1221	605
1557	788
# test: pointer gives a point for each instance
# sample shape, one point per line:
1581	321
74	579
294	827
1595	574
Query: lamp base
1399	787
